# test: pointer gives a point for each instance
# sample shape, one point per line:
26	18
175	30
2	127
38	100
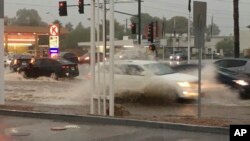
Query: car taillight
65	67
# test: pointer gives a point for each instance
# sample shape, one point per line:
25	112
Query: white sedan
151	78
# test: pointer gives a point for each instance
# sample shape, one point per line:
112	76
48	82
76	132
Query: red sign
54	30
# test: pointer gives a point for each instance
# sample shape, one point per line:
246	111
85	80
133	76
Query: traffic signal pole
139	22
2	96
104	56
92	57
111	59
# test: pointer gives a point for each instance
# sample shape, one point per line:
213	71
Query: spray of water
45	90
214	91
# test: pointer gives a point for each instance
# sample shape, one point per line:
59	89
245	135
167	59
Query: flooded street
72	97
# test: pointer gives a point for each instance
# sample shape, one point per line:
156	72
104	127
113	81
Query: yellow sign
54	41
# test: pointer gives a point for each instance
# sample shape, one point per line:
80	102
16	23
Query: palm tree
236	29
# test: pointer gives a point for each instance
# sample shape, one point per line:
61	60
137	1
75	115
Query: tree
236	29
69	26
180	23
119	30
79	34
227	45
28	17
215	29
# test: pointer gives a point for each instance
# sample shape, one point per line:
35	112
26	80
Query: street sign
54	30
199	17
163	42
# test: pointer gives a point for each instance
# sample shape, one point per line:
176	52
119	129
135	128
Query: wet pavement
35	129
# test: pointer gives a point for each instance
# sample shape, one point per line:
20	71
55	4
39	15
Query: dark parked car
19	61
50	67
68	56
235	80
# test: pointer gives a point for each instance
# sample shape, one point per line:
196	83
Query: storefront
27	39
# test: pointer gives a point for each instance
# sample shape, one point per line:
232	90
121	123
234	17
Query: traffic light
133	28
151	32
151	47
63	8
156	29
81	6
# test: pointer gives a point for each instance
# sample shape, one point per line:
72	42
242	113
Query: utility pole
2	96
189	16
139	22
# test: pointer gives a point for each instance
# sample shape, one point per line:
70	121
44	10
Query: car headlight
171	57
184	84
241	82
177	57
87	58
120	56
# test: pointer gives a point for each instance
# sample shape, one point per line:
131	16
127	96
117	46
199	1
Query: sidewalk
34	129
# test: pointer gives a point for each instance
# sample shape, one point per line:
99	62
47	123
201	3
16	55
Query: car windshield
159	68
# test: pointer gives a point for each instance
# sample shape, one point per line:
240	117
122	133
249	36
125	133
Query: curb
117	121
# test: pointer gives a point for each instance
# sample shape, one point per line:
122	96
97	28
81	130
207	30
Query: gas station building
25	39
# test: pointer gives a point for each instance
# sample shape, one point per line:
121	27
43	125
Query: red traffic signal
133	28
63	8
81	6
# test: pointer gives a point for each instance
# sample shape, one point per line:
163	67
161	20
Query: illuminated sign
54	30
54	50
54	41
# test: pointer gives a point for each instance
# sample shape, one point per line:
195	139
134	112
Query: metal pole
126	28
92	56
105	31
2	96
174	38
111	59
199	86
189	37
98	57
104	57
139	22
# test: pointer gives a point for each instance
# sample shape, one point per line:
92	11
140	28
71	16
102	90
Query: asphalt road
33	129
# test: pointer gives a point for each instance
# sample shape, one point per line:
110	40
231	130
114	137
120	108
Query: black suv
236	80
19	61
49	67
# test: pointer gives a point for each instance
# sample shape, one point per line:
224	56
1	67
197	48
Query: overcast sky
222	11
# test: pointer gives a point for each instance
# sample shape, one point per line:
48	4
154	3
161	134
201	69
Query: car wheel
23	74
54	76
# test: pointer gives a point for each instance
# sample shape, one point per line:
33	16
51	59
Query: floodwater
77	91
